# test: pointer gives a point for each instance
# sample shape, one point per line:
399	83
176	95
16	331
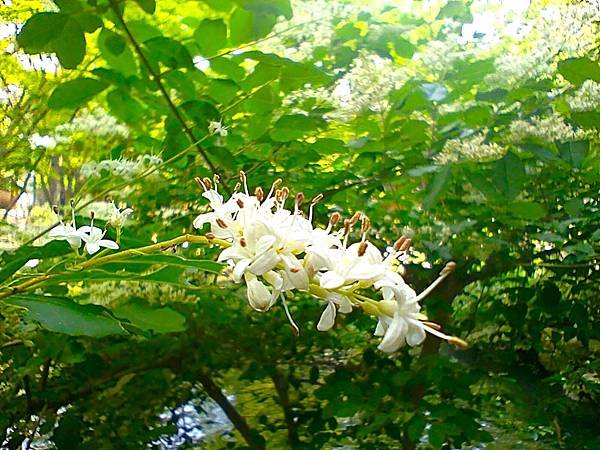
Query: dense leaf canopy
469	126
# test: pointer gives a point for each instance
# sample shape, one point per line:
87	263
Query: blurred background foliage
470	126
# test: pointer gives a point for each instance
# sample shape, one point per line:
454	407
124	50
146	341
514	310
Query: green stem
26	285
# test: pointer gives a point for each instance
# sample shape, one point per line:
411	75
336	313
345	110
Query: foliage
484	150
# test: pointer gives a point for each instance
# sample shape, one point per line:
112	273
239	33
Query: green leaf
577	70
116	52
124	107
54	32
573	152
145	317
223	91
75	93
39	30
63	315
147	5
14	261
527	210
229	67
173	260
509	175
169	52
458	10
292	127
436	186
211	36
245	26
493	96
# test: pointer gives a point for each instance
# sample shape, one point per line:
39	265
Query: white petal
108	244
74	241
264	243
234	252
331	280
345	305
239	269
203	218
394	336
380	328
263	263
259	295
92	247
415	336
327	319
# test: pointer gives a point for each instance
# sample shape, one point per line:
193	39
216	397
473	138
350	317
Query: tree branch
156	78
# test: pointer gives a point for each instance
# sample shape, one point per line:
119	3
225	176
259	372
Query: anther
55	209
362	248
210	236
207	183
240	203
398	244
335	218
365	224
244	181
405	245
72	203
92	215
243	241
237	186
259	194
448	268
347	226
316	199
221	223
299	198
216	179
356	217
295	269
457	342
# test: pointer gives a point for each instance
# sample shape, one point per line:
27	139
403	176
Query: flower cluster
550	128
472	148
276	251
123	168
586	98
92	237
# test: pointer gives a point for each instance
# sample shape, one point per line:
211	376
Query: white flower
259	295
334	302
93	238
346	266
217	128
118	217
67	233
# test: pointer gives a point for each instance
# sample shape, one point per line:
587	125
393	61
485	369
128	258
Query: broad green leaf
292	127
124	107
493	96
273	7
527	210
229	67
173	260
168	52
54	32
75	93
116	52
509	175
436	186
573	152
245	26
148	318
147	5
577	70
63	315
211	36
11	262
457	10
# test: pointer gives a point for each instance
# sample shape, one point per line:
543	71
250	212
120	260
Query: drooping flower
119	216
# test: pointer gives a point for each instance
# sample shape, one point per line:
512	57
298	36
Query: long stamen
295	328
316	199
244	181
73	213
447	270
333	220
274	186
